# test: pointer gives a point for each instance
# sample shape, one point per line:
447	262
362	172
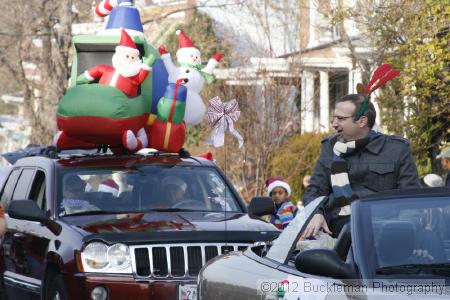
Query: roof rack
54	153
47	151
183	153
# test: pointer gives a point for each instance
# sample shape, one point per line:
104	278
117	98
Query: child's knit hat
274	182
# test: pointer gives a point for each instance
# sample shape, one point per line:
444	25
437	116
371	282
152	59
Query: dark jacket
384	164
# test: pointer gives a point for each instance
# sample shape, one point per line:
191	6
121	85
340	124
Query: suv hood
171	225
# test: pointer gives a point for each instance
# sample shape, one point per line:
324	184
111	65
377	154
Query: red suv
97	226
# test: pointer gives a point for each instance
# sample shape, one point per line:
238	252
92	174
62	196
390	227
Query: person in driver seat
174	189
73	193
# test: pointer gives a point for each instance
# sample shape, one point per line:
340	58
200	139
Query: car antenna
225	200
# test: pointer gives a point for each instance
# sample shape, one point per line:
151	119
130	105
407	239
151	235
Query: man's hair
357	100
74	184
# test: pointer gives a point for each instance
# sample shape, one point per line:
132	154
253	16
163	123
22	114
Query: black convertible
396	245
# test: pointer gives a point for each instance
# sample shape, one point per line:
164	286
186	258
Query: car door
26	241
296	284
5	250
250	275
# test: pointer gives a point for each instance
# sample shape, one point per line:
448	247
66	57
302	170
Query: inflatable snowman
190	70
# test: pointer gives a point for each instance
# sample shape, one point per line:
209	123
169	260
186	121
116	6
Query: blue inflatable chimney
122	14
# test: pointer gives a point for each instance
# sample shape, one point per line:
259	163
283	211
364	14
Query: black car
396	246
102	226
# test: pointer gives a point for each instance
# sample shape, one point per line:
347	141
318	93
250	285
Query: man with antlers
357	161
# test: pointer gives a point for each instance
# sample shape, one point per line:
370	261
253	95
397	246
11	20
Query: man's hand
317	222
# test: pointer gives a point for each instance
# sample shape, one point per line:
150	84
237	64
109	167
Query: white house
293	38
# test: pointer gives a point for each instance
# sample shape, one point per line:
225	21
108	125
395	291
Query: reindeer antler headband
381	76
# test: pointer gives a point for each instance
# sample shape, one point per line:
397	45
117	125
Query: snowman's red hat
183	40
185	46
126	43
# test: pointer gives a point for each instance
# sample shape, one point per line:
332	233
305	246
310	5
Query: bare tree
37	37
268	92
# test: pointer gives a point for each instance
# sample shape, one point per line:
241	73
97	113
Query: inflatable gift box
167	136
174	98
169	130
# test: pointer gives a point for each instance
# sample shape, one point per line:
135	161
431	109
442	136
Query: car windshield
404	236
285	243
142	189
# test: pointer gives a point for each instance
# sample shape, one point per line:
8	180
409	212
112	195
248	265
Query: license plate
187	292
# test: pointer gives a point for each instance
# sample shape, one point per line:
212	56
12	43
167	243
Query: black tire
56	289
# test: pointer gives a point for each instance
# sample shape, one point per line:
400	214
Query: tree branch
193	8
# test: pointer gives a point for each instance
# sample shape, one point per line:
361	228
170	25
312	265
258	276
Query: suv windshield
145	188
404	236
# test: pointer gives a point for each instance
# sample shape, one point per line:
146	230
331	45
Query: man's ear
363	121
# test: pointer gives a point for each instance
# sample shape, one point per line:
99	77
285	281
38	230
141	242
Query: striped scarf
342	190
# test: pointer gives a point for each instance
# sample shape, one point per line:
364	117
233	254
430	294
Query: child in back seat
285	210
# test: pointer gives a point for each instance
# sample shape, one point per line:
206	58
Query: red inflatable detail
207	155
97	11
172	132
82	130
217	57
162	50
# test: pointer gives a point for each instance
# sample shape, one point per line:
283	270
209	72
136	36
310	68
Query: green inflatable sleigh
94	114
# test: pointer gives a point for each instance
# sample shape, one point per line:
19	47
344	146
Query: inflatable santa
191	71
127	72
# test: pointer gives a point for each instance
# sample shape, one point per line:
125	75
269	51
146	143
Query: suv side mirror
30	211
26	210
261	206
323	262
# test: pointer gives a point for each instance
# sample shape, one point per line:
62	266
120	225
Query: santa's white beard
125	68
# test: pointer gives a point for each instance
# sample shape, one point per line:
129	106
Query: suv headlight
119	256
95	255
101	258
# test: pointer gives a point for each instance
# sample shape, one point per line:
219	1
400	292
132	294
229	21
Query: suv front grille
142	261
176	260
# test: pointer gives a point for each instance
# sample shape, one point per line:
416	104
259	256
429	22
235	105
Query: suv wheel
57	289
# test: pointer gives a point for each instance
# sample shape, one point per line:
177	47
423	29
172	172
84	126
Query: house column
307	101
324	102
354	77
313	12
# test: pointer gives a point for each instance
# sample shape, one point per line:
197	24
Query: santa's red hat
109	186
126	43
